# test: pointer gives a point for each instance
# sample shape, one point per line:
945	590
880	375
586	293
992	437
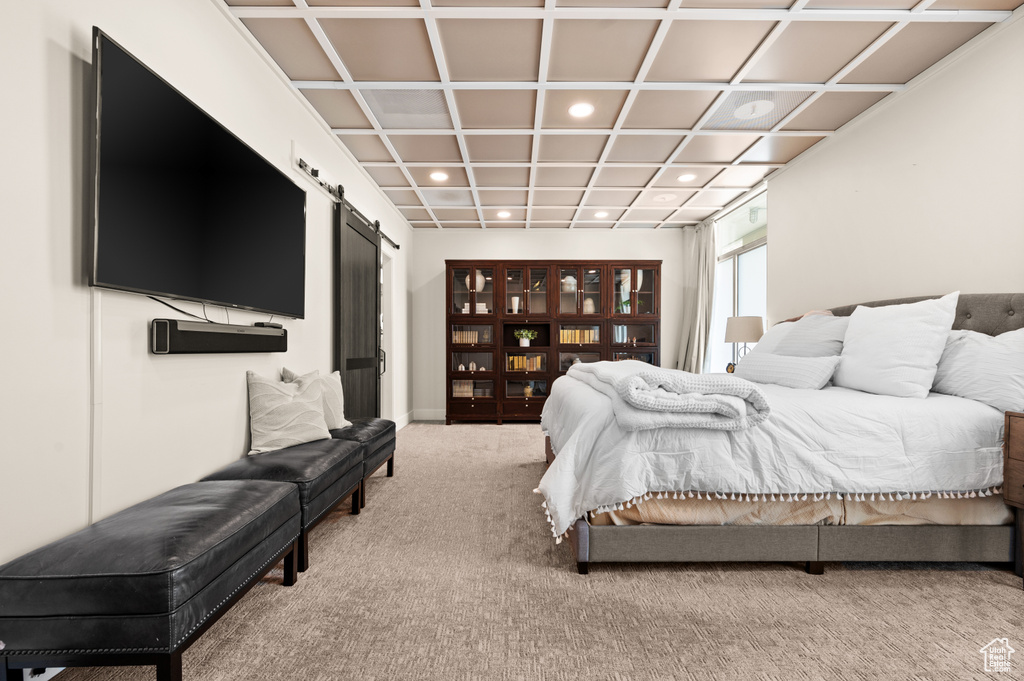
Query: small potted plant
524	336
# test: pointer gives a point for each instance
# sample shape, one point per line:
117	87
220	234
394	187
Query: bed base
813	545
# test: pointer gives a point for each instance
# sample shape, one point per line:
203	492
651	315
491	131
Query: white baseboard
428	414
403	420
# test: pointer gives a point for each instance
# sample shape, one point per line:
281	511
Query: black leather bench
378	435
139	587
325	473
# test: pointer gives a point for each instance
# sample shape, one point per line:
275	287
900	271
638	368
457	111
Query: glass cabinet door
472	361
622	292
646	285
634	334
635	291
526	361
567	359
461	290
472	388
537	301
579	291
515	292
472	290
568	291
591	299
472	334
484	291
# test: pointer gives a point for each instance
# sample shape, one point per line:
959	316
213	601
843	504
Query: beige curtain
698	294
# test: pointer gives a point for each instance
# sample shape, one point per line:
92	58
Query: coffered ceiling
462	111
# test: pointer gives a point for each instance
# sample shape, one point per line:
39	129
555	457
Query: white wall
920	196
161	421
434	246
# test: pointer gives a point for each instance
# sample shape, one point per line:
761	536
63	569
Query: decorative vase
588	306
515	304
528	391
472	366
480	281
524	342
569	284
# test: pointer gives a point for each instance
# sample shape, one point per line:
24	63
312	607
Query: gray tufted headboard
991	313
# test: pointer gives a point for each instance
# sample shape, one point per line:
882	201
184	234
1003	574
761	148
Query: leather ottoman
325	472
139	587
378	435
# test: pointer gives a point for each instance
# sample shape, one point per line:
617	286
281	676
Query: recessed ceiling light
504	214
662	198
438	176
754	109
601	214
688	177
581	109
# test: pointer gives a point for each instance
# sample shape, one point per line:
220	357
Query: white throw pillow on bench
285	414
333	396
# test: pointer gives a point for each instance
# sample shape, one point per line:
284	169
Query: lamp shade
743	329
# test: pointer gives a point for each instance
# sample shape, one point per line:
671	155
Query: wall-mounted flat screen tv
183	208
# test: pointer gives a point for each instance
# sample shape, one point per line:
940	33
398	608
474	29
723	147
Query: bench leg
391	466
169	669
291	566
10	673
303	550
357	494
815	567
362	493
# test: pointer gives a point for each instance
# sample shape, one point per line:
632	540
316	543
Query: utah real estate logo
997	655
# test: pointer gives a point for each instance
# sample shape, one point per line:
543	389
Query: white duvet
830	441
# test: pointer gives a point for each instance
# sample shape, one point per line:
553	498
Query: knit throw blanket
646	397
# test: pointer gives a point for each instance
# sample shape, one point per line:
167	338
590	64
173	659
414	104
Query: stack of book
525	363
462	388
579	336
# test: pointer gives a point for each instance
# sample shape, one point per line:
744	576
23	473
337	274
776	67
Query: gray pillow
814	336
333	396
285	414
793	372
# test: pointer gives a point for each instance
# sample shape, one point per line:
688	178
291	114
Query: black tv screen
183	208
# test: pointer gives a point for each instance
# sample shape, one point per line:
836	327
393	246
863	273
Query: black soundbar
175	337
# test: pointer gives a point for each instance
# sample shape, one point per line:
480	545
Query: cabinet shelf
581	311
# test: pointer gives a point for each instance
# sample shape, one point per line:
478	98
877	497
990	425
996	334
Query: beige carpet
451	573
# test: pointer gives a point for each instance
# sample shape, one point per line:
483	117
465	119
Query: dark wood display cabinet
580	311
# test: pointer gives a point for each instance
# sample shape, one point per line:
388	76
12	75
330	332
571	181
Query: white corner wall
160	421
919	196
427	283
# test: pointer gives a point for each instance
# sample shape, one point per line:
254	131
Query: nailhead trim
80	651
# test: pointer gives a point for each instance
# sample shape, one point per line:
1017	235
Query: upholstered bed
968	522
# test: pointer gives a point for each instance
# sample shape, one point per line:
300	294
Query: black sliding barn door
357	310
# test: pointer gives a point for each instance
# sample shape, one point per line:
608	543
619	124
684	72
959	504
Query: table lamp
743	330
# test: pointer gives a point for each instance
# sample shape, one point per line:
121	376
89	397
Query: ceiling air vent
408	108
754	110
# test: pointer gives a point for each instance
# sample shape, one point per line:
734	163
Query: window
741	276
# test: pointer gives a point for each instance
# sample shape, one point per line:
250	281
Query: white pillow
989	369
771	338
333	396
814	336
285	414
894	350
792	372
